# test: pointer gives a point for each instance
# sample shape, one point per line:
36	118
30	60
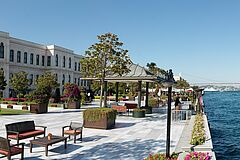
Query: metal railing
181	115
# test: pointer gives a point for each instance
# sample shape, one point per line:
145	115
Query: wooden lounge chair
8	150
74	129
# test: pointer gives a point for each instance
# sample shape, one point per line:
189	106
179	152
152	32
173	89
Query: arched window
63	79
69	78
70	62
11	55
56	60
1	50
64	61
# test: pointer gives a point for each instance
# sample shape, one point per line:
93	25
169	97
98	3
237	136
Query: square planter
39	108
100	118
74	105
103	123
139	114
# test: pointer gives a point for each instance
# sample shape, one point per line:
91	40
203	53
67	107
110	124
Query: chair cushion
14	151
26	134
71	132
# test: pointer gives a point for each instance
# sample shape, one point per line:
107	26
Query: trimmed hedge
96	114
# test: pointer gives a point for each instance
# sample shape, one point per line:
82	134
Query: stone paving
132	138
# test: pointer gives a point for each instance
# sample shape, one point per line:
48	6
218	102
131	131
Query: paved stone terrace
131	139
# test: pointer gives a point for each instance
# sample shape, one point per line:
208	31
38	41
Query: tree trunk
101	94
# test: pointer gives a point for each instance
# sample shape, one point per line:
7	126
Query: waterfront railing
181	115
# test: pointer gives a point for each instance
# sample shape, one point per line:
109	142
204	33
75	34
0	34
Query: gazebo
137	74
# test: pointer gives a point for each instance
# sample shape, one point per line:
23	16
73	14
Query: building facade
18	55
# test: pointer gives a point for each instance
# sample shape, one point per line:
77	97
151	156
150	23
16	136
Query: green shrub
198	133
95	114
153	102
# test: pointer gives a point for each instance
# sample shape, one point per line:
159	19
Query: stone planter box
74	105
207	146
138	114
103	123
39	108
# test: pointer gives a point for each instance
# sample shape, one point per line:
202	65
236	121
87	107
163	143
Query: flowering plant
161	156
197	156
72	92
198	133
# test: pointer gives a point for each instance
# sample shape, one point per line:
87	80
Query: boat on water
210	89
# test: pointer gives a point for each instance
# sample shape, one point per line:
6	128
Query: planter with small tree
45	84
72	93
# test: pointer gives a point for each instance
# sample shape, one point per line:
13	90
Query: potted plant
102	118
139	113
39	102
72	93
162	156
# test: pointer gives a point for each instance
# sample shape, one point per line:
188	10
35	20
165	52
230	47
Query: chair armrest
65	127
12	132
41	127
22	144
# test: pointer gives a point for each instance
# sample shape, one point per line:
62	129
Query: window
69	78
25	57
19	56
78	81
70	63
56	77
63	79
64	61
56	60
75	67
31	58
31	79
43	60
75	80
78	66
37	59
48	60
37	76
11	55
1	50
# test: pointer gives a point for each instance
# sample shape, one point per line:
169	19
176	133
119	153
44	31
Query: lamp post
169	83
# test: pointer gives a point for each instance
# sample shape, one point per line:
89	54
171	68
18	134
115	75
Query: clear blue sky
199	38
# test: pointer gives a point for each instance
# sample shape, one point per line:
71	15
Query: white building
19	55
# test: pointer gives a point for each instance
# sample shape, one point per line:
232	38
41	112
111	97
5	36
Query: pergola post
117	84
139	93
146	100
105	94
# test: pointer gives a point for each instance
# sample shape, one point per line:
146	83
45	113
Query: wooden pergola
137	74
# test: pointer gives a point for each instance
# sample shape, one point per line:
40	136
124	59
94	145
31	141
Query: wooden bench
23	130
120	109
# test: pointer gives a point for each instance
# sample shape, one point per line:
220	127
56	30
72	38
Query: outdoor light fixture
168	82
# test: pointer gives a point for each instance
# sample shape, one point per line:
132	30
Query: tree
46	84
3	82
182	84
19	83
104	58
152	67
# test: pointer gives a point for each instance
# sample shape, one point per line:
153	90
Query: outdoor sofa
23	130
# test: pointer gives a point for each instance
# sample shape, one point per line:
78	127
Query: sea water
223	112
